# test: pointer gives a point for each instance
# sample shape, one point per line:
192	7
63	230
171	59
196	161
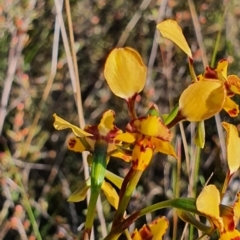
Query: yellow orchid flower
231	84
210	92
149	135
105	130
221	217
154	231
85	140
125	72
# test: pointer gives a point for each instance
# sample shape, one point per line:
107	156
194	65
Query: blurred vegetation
47	170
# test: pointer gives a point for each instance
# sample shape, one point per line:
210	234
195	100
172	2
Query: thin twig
205	63
46	90
132	23
153	54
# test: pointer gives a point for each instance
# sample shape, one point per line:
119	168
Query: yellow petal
202	100
125	72
158	228
233	147
152	126
164	147
154	231
234	235
208	203
227	216
81	193
116	180
171	30
231	107
122	156
126	137
136	235
222	67
141	157
234	83
61	124
110	194
75	145
107	124
236	209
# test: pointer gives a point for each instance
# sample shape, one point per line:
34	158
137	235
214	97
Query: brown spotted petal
151	126
234	83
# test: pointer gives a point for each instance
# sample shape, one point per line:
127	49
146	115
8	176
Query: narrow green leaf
170	117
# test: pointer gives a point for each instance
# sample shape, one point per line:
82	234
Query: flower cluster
208	94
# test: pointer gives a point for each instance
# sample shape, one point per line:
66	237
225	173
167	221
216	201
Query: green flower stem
129	184
195	181
189	218
97	176
185	204
132	178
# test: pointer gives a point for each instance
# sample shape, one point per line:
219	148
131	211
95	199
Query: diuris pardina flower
221	217
210	92
125	73
154	230
85	140
149	135
105	131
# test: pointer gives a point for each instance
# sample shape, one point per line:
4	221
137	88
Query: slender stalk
132	178
225	184
186	204
25	199
133	181
97	177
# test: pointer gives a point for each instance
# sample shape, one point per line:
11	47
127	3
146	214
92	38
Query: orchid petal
208	203
234	83
234	235
233	149
125	137
106	127
231	107
110	194
75	145
141	157
164	147
81	193
202	100
125	72
155	230
152	126
158	228
60	124
222	67
171	30
122	156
